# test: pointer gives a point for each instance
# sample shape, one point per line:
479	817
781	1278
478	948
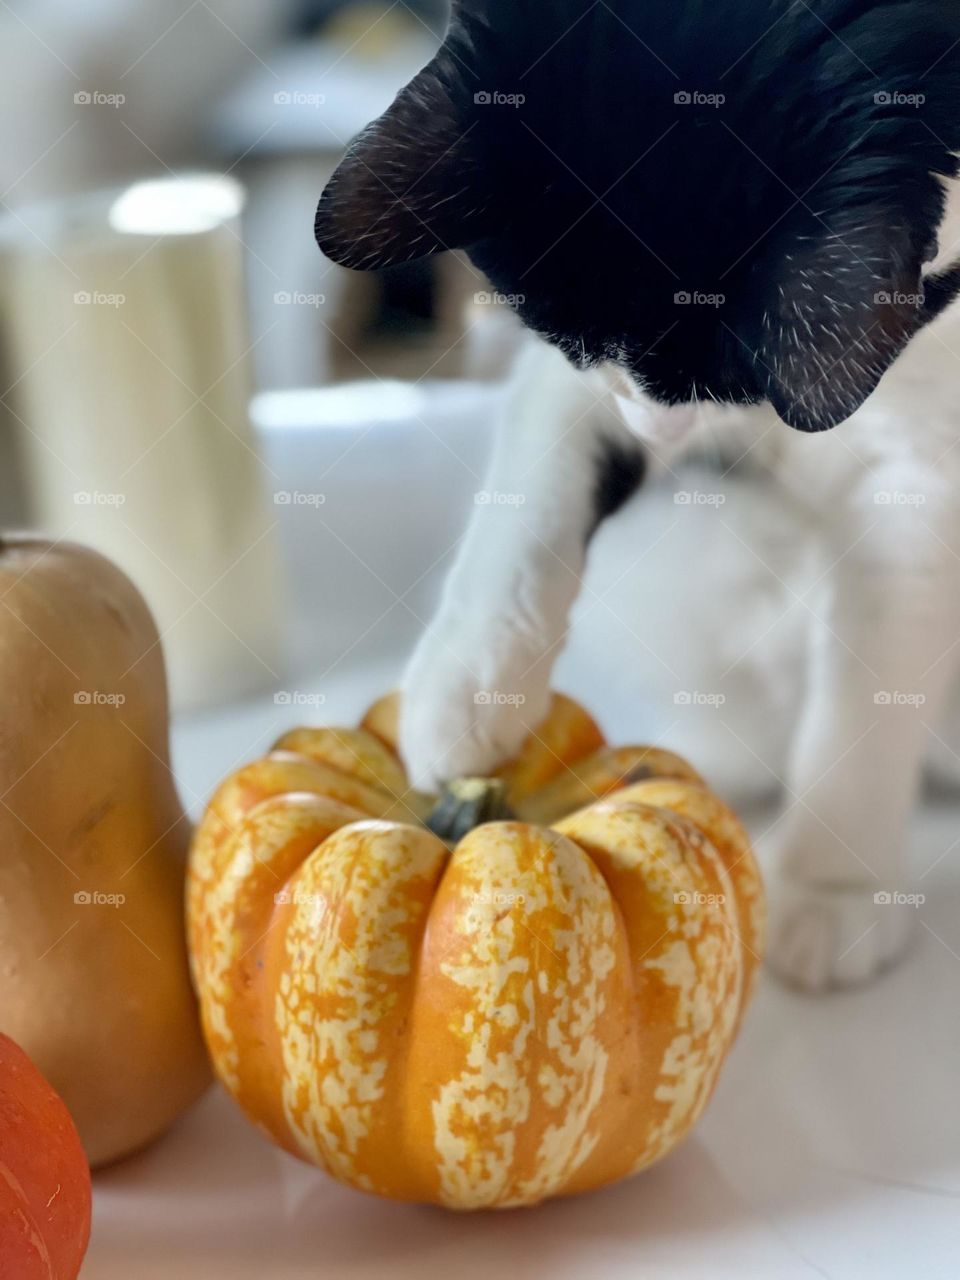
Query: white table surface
831	1149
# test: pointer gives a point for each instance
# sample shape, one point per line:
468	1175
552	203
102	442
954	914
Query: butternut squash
94	979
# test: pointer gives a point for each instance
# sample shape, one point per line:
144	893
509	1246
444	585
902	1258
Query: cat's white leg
883	660
479	680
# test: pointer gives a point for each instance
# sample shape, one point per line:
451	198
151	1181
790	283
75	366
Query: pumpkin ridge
663	871
356	753
730	839
241	915
598	775
343	993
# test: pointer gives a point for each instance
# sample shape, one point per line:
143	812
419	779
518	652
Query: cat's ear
409	185
845	304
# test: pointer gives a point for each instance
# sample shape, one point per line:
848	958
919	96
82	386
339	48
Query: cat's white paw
827	938
472	695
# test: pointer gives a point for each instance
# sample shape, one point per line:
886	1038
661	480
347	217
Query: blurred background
283	456
189	385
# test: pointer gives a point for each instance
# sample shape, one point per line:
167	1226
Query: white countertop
831	1149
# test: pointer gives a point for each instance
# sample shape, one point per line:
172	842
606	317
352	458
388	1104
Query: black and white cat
720	217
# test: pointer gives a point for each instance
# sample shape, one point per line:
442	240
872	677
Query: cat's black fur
804	199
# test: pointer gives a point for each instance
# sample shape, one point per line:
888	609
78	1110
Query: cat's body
783	308
784	608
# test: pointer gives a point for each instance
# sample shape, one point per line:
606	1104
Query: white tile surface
831	1149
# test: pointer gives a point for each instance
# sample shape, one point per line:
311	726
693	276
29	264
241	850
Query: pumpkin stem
466	803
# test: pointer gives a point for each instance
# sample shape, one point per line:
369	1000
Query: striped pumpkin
536	1009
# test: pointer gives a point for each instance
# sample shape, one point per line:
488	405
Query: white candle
125	334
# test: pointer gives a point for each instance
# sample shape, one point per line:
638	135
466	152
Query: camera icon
282	299
483	98
82	698
283	699
482	299
483	698
883	698
83	298
883	99
682	299
683	899
683	498
683	698
283	498
283	98
883	899
82	898
283	897
683	98
82	99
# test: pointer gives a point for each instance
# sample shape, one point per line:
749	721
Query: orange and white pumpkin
537	1009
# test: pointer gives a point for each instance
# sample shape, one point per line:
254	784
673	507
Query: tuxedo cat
726	218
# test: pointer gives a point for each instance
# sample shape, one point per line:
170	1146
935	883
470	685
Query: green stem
466	803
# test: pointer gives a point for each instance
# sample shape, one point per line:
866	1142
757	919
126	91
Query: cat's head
730	199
